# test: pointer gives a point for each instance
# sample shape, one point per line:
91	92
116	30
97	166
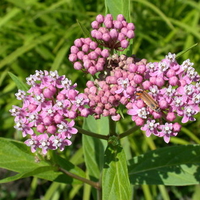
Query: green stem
82	131
84	180
99	191
99	194
112	127
128	132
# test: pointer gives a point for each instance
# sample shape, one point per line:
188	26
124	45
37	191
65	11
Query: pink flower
189	112
155	94
33	143
167	130
59	141
150	128
47	108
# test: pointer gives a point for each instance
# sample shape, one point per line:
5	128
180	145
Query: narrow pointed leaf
25	48
156	10
59	58
84	30
20	85
26	174
11	13
184	51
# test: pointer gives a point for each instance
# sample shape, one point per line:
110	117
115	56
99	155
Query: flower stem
112	127
84	180
92	134
128	132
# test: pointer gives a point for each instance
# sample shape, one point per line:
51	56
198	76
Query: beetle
148	100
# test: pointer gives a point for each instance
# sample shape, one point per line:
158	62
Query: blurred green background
37	35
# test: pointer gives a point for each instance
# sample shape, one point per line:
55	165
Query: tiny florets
169	93
88	55
48	111
113	34
155	94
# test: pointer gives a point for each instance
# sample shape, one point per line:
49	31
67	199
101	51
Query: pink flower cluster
117	86
176	90
154	94
88	55
113	34
171	88
48	111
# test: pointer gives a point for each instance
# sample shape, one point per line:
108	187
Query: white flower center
142	113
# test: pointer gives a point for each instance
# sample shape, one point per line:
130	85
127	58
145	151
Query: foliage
37	35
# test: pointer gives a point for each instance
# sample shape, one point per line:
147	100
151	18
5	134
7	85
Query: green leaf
176	165
116	7
184	51
187	28
18	82
93	147
59	57
65	164
12	13
157	10
16	156
115	180
53	190
84	30
25	48
26	174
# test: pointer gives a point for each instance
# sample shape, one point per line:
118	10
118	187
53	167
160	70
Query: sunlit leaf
116	7
115	180
20	85
176	165
93	147
16	156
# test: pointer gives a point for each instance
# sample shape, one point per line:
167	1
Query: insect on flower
148	100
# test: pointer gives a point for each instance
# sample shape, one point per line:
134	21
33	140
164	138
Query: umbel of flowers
48	111
154	94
